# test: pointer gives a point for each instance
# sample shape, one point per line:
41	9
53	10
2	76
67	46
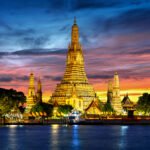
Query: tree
107	108
43	107
65	109
10	98
143	104
100	104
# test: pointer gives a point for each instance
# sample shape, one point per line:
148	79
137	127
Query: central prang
74	88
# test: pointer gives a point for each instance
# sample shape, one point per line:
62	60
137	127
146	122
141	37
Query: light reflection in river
54	136
75	136
12	139
57	137
123	137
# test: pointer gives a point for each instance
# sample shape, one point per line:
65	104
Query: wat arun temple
74	88
74	82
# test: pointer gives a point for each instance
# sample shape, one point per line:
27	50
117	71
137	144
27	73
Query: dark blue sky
115	34
29	24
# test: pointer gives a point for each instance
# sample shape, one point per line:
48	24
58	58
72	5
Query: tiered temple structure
116	99
74	76
33	97
113	94
31	93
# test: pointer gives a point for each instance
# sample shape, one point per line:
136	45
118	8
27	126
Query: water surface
56	137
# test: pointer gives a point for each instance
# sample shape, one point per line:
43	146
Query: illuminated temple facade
113	94
74	88
31	93
33	96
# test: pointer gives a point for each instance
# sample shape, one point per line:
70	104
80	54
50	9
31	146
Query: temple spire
75	34
74	84
116	99
31	90
75	22
39	85
116	80
39	91
31	93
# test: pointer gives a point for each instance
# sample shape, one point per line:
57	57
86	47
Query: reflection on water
58	137
12	126
12	139
54	139
123	137
75	136
124	130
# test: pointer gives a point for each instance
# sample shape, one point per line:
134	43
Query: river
77	137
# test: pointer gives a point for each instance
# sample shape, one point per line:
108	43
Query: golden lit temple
33	97
74	87
113	94
31	93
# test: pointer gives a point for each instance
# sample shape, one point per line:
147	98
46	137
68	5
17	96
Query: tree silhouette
10	98
143	103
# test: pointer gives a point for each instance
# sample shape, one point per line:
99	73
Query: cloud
114	35
13	77
65	5
34	41
13	32
4	26
41	51
140	51
53	78
6	79
12	37
3	54
95	4
36	51
133	20
22	78
97	76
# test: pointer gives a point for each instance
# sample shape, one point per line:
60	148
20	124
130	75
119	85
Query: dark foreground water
56	137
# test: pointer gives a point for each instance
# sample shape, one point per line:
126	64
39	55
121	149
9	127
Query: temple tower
39	92
116	99
74	74
31	93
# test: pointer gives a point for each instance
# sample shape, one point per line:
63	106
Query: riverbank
83	122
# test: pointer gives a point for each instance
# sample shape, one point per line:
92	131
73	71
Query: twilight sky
115	35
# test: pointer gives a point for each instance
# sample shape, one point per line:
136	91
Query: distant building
113	94
74	77
93	110
127	104
31	98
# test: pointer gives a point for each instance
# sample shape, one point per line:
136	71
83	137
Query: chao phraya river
77	137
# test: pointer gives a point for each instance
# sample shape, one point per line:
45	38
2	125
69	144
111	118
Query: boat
74	116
